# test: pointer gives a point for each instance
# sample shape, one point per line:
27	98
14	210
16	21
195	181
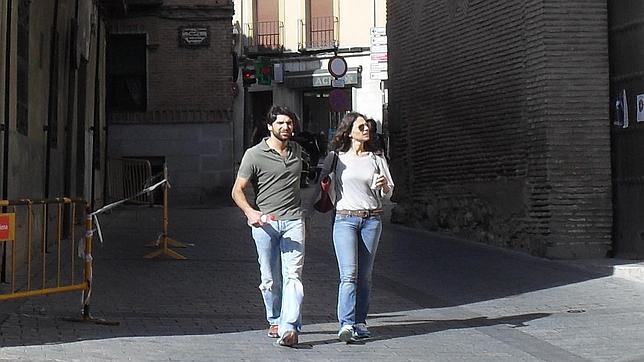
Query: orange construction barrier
32	263
164	240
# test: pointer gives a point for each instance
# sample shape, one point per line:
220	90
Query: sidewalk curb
632	270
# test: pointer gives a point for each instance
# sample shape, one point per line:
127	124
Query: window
126	73
321	29
22	123
266	28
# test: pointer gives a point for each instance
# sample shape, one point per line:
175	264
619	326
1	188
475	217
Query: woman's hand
381	183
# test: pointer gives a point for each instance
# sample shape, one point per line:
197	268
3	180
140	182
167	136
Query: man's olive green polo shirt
276	180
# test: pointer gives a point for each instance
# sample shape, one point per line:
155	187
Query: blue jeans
355	241
280	251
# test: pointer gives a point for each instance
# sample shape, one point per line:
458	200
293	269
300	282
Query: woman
361	179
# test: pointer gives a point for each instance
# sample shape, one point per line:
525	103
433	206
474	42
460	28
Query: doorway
260	103
318	118
627	138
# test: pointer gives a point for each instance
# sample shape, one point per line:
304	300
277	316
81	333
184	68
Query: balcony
264	37
319	34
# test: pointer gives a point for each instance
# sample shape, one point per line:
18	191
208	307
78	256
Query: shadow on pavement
215	290
421	327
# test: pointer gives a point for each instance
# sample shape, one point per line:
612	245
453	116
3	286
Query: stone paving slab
435	298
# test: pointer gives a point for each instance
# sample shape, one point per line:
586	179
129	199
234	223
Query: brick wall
499	123
188	121
195	81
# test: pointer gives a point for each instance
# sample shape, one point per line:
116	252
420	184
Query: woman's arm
388	184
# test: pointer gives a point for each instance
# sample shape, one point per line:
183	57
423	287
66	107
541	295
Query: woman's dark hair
276	110
373	125
341	141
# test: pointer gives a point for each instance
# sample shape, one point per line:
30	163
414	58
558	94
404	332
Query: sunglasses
362	127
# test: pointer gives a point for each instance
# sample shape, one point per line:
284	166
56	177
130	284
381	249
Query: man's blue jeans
280	251
355	240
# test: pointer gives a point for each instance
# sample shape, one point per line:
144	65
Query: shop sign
264	71
321	78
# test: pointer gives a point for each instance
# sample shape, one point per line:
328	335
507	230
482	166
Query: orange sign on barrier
7	227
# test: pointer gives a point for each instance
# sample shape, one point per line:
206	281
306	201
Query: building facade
288	44
170	92
499	122
53	91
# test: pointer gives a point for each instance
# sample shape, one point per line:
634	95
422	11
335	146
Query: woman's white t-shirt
354	175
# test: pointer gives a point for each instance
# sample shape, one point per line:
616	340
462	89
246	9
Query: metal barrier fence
126	177
38	268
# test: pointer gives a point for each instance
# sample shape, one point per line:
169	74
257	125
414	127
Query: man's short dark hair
277	110
373	125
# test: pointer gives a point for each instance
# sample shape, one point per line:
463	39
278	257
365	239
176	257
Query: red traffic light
248	76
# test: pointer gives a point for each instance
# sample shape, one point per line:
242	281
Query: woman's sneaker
346	333
360	331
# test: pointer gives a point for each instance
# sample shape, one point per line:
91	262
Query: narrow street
435	298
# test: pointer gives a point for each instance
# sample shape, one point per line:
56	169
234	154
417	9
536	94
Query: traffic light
248	75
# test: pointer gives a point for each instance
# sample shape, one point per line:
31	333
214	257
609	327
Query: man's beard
280	136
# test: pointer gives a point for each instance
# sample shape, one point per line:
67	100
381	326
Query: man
274	168
377	141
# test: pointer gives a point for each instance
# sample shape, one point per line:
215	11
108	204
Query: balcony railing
264	37
319	34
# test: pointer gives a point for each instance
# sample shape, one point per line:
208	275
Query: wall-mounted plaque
194	36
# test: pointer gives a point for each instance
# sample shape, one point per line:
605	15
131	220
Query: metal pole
88	263
97	117
374	13
5	128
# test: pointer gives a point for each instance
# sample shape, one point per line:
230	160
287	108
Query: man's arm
239	197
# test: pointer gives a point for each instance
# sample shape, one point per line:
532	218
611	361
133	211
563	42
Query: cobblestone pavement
435	298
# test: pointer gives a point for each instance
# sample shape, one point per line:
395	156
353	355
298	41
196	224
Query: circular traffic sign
337	66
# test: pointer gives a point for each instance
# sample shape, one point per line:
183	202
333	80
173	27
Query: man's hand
254	218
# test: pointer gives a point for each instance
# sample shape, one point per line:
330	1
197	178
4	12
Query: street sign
380	57
337	66
379	30
379	67
379	53
337	83
379	40
379	75
194	36
379	48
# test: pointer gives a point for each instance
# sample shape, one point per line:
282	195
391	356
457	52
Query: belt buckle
364	213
